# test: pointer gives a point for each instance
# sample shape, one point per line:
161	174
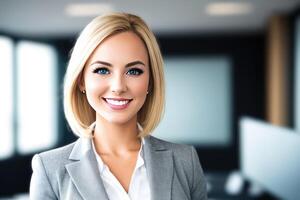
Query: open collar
86	177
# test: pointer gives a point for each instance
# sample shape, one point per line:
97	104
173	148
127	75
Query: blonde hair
79	114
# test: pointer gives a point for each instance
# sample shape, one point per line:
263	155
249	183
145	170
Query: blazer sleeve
198	191
40	187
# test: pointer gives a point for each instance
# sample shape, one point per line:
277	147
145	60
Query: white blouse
139	185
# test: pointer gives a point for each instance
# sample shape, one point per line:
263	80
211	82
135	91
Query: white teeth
118	103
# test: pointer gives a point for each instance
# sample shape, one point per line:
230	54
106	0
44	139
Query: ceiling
48	18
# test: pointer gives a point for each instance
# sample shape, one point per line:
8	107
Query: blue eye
135	72
101	70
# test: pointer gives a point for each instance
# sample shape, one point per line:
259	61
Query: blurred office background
224	60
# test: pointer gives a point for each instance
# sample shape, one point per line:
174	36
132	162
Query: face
116	78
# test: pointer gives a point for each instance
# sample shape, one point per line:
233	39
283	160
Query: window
28	105
37	97
6	102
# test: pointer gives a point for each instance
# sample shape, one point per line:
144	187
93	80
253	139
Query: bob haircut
79	114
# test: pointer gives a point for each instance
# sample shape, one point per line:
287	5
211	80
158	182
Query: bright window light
37	100
229	8
87	9
6	105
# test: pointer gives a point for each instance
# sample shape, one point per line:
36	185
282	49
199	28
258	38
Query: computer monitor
270	157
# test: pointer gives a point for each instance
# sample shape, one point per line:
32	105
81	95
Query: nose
118	84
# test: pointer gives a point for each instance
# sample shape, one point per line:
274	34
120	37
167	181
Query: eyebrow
110	65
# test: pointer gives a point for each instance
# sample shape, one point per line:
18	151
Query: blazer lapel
159	166
84	172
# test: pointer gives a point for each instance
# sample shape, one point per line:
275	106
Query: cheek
94	88
141	87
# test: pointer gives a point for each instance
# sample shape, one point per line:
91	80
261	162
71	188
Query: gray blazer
70	172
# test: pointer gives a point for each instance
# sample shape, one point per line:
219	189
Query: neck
112	138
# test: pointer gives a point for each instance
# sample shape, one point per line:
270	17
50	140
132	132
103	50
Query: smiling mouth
117	103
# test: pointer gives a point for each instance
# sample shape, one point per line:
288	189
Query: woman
113	100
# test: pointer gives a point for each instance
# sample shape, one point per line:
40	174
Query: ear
80	82
150	86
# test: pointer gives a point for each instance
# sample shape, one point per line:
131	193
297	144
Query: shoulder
48	167
53	160
58	154
183	154
175	147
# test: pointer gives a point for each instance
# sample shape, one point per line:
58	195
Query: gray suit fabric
70	172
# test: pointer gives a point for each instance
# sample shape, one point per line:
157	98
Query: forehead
121	47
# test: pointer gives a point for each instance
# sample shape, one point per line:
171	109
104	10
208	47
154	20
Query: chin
120	120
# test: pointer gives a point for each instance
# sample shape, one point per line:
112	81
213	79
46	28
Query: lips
117	103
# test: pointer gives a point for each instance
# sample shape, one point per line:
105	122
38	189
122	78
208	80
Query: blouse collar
140	161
